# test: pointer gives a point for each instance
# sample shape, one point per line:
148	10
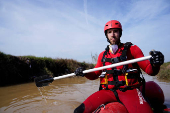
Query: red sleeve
144	65
96	74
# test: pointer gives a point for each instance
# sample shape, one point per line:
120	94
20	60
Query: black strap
116	95
126	47
105	53
112	60
143	88
114	71
141	79
138	68
117	83
123	57
132	75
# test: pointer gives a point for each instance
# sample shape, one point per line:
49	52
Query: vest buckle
102	74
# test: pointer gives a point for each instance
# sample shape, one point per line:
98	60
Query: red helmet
112	24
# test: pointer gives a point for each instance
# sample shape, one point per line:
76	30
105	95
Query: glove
79	72
157	58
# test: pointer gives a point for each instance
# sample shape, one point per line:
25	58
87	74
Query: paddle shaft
108	66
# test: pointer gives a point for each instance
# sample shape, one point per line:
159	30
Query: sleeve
144	65
94	75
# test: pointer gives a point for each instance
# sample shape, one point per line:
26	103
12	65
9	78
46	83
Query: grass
164	73
21	69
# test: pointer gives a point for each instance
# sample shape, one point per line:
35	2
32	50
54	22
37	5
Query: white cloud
74	29
146	24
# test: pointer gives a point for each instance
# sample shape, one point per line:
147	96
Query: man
120	84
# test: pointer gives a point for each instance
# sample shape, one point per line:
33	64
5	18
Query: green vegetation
164	73
21	69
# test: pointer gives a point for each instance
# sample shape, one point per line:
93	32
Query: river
62	96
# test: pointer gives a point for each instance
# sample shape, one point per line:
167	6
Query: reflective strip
126	79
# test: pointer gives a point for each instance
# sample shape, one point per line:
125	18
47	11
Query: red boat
153	94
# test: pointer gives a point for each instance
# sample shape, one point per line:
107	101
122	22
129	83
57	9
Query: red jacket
132	53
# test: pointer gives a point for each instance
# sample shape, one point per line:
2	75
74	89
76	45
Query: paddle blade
44	80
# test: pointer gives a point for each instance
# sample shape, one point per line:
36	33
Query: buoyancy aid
122	77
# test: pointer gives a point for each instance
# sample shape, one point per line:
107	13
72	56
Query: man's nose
112	34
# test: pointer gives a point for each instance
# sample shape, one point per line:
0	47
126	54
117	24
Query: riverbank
164	73
22	69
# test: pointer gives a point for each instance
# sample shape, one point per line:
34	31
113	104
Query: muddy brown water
62	96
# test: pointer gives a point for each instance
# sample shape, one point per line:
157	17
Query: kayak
153	94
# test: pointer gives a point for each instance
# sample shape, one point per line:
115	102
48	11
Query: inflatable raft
153	94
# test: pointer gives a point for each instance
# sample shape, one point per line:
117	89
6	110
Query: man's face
113	35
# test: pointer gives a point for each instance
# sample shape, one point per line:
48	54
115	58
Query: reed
164	73
21	69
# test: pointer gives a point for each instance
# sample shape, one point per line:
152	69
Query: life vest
122	77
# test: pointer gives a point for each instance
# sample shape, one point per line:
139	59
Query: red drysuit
131	98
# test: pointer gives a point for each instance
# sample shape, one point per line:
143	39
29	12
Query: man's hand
157	58
79	72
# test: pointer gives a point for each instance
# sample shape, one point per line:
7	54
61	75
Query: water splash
41	89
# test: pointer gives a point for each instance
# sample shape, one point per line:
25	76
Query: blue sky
73	29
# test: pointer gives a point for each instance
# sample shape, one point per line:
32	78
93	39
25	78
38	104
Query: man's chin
112	43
